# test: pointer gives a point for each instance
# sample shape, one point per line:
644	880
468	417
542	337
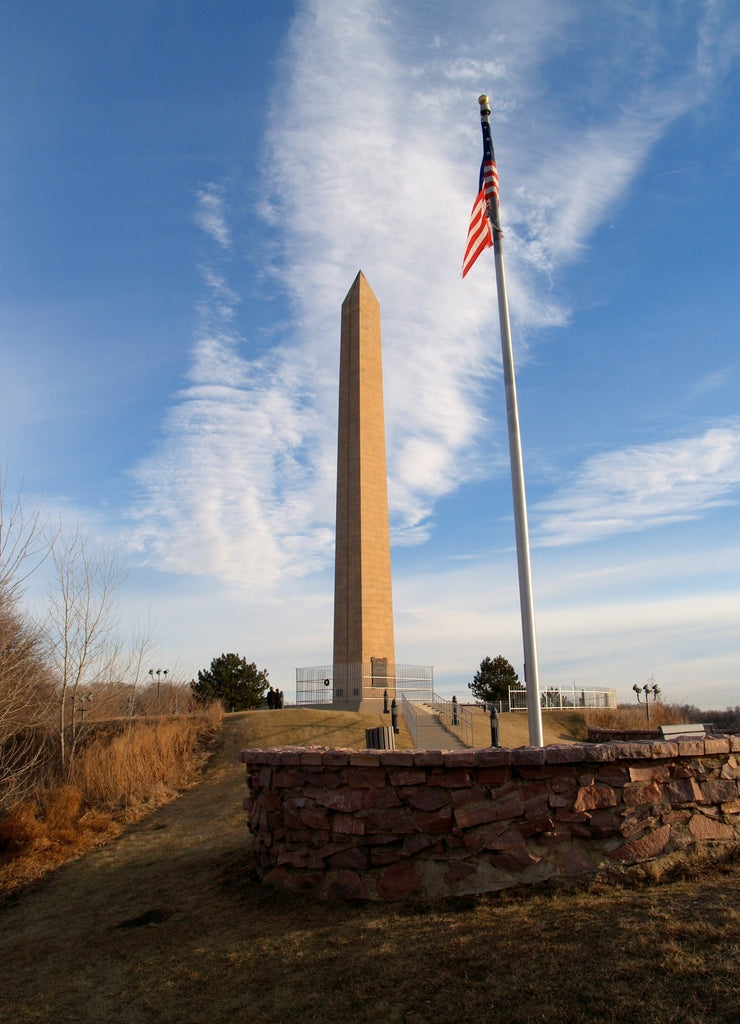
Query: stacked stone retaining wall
387	825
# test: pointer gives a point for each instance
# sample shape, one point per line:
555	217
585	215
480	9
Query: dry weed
120	774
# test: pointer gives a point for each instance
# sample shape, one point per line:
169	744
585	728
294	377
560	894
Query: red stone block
562	814
705	828
414	844
365	758
528	755
606	822
376	799
290	757
346	885
508	839
567	753
690	748
397	758
716	745
719	791
562	799
428	758
407	777
601	753
664	749
493	757
535	826
591	797
337	758
453	778
649	773
347	824
515	860
382	855
490	810
575	862
354	857
636	794
395	820
434	822
459	870
673	817
682	791
364	778
459	758
424	799
493	776
536	808
399	881
650	845
564	782
469	795
342	800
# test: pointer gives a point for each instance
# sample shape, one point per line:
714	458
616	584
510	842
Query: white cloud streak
210	215
379	174
645	486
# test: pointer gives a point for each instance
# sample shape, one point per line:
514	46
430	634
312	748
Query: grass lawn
168	923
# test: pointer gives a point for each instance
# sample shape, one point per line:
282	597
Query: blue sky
187	192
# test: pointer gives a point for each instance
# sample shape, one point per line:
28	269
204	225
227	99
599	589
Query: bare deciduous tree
82	627
25	686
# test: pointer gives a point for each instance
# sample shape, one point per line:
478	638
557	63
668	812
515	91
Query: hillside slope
169	924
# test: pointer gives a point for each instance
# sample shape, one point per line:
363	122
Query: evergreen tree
494	679
239	685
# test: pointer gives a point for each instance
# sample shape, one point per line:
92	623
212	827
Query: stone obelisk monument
364	652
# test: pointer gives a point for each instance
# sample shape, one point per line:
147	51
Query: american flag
485	207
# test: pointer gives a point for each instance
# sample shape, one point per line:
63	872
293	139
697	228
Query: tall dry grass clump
143	765
634	718
121	773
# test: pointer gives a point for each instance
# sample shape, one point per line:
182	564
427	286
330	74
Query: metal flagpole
531	671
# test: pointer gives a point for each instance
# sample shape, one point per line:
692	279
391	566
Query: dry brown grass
633	717
169	924
121	774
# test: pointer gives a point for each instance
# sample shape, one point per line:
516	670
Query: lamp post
159	673
651	693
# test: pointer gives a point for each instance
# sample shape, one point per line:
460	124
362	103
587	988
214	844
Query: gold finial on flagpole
485	107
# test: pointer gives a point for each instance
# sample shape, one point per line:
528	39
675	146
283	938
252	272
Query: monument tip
485	107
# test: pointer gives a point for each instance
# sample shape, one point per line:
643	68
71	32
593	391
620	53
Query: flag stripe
490	181
480	236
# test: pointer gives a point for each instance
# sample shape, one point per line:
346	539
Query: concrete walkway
430	735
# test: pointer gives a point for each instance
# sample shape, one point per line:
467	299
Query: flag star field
187	192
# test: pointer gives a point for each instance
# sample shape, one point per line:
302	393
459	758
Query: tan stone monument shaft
363	604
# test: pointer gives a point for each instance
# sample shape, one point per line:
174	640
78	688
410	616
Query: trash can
380	738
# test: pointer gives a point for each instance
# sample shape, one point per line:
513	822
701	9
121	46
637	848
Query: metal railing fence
347	684
561	698
455	718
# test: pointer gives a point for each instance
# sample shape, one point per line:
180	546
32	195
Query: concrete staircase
429	733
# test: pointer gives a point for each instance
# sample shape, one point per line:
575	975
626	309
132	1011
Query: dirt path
84	943
160	924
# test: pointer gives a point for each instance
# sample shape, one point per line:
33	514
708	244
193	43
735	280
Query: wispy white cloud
645	486
210	214
380	174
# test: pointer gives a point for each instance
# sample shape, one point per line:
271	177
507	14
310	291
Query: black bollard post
454	710
494	727
385	702
394	715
